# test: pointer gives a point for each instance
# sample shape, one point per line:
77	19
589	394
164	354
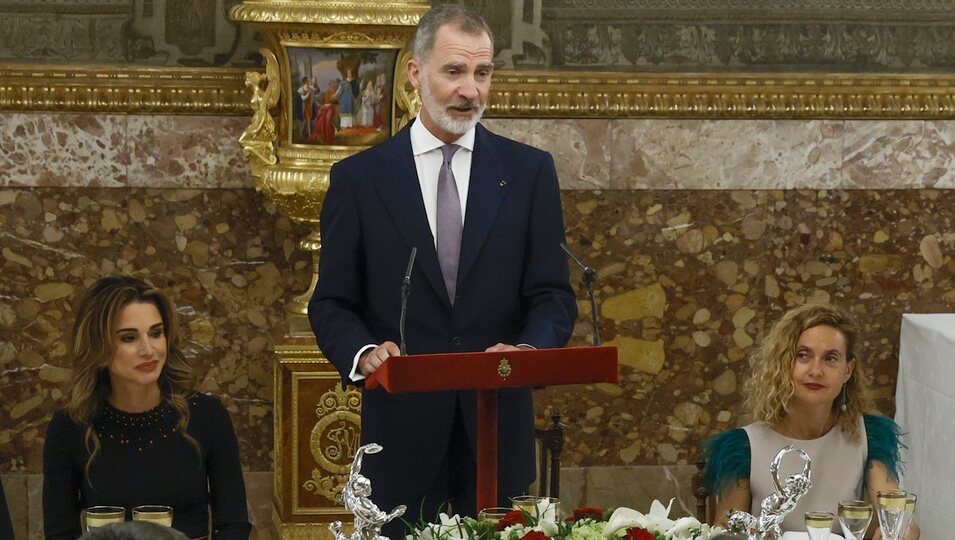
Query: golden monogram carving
334	440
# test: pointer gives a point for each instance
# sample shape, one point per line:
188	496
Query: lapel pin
502	183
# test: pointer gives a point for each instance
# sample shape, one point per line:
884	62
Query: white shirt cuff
356	375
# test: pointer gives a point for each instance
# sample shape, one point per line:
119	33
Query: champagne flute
910	501
155	513
100	516
854	516
819	525
891	512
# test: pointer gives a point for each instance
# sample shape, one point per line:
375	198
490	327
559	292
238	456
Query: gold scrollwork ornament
258	140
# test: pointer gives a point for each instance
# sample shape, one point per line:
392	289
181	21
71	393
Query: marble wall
702	232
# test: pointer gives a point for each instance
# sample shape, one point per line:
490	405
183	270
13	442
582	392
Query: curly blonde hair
92	349
770	388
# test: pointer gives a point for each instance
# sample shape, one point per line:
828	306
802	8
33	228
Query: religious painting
341	96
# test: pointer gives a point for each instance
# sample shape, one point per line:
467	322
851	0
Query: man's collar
423	141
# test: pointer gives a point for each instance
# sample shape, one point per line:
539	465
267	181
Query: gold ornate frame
515	94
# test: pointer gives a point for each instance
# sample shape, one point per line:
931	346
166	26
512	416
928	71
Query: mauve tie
449	224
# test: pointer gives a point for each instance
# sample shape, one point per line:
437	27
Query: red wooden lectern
488	372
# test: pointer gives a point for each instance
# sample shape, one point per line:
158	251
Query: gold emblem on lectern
504	368
334	440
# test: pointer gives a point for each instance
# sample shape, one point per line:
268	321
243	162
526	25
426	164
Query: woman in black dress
133	431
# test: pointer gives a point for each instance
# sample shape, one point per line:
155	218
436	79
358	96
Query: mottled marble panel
18	502
258	491
679	274
632	486
581	148
902	154
737	154
187	151
62	150
227	257
878	253
689	280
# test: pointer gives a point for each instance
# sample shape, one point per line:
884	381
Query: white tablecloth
925	408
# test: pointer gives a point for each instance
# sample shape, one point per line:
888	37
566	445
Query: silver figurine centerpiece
356	496
775	507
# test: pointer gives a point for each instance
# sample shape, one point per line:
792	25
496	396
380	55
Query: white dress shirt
427	160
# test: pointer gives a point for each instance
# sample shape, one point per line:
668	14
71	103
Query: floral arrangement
585	524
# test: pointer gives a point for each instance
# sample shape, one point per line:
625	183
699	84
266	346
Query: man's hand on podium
370	361
503	347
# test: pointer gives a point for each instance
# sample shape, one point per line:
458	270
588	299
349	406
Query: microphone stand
589	280
405	290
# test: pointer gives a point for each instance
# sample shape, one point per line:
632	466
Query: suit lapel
400	193
485	194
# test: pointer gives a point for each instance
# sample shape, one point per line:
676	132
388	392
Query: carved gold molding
221	91
672	95
125	90
312	12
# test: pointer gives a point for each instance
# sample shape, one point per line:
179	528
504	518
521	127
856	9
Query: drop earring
842	399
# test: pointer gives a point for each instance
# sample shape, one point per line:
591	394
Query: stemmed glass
493	514
819	525
854	516
910	501
527	503
159	514
100	516
891	512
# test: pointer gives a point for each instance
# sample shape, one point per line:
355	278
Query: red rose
637	533
514	517
588	512
534	535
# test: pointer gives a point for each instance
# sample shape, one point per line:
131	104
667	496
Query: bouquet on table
543	523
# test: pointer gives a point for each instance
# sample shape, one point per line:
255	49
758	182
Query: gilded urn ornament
336	83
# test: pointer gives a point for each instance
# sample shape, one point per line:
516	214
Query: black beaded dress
143	459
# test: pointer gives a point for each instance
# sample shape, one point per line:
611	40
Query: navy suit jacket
512	287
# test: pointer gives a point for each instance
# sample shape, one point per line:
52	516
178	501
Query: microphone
588	280
405	290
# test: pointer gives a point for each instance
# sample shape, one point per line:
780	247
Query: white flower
681	529
448	528
655	520
689	528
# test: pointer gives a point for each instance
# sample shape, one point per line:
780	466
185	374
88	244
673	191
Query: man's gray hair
464	18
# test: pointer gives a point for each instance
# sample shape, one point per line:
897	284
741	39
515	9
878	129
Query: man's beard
441	117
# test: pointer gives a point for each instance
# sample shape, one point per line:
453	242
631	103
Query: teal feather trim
884	439
727	460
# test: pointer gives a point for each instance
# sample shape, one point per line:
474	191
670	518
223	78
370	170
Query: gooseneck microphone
405	290
589	280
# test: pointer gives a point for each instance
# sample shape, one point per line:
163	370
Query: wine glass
819	525
891	512
100	516
854	516
155	513
527	504
493	514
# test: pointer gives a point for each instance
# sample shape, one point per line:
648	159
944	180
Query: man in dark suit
485	216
